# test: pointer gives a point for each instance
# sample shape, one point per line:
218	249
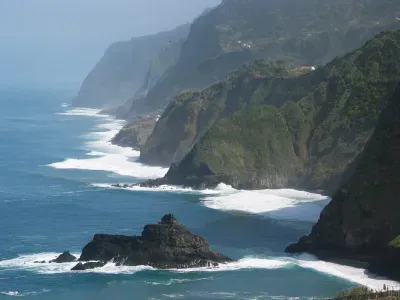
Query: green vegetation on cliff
251	144
330	113
193	112
135	133
362	219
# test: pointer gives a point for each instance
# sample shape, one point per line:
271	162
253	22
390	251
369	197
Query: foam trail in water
352	274
162	188
103	155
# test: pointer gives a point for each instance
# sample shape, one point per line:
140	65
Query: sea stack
165	245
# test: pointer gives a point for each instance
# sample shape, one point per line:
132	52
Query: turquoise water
55	170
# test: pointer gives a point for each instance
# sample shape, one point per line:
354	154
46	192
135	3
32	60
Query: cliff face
192	112
123	68
135	133
308	32
363	217
329	114
238	31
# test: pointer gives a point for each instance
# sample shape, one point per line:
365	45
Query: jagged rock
88	266
64	258
135	133
39	262
165	245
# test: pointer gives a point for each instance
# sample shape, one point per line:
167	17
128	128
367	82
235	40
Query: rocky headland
135	133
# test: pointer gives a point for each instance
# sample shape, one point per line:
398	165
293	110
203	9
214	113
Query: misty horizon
55	43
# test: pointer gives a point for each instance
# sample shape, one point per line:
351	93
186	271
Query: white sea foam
283	204
244	263
178	281
80	111
65	105
103	155
352	274
173	296
11	293
23	294
31	262
162	188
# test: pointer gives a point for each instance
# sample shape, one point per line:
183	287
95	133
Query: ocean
56	171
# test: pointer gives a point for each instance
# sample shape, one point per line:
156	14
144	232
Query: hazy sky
56	42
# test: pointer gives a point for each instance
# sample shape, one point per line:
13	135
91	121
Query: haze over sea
56	171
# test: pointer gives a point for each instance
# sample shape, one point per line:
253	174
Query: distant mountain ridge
304	31
122	70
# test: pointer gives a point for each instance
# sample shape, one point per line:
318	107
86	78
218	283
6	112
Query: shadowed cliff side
363	216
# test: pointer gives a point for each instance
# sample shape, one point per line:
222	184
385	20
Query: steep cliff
123	68
327	32
329	113
362	218
307	32
192	112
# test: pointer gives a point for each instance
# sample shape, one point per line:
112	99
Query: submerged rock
88	266
64	258
39	262
165	245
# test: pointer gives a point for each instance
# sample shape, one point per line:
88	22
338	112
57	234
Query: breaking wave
356	275
104	156
282	204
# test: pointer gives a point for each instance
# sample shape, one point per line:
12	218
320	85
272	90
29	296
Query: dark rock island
165	245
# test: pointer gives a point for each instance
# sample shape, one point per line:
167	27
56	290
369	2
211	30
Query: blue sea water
56	167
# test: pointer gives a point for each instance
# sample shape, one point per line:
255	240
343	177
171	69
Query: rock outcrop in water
64	257
165	245
362	220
